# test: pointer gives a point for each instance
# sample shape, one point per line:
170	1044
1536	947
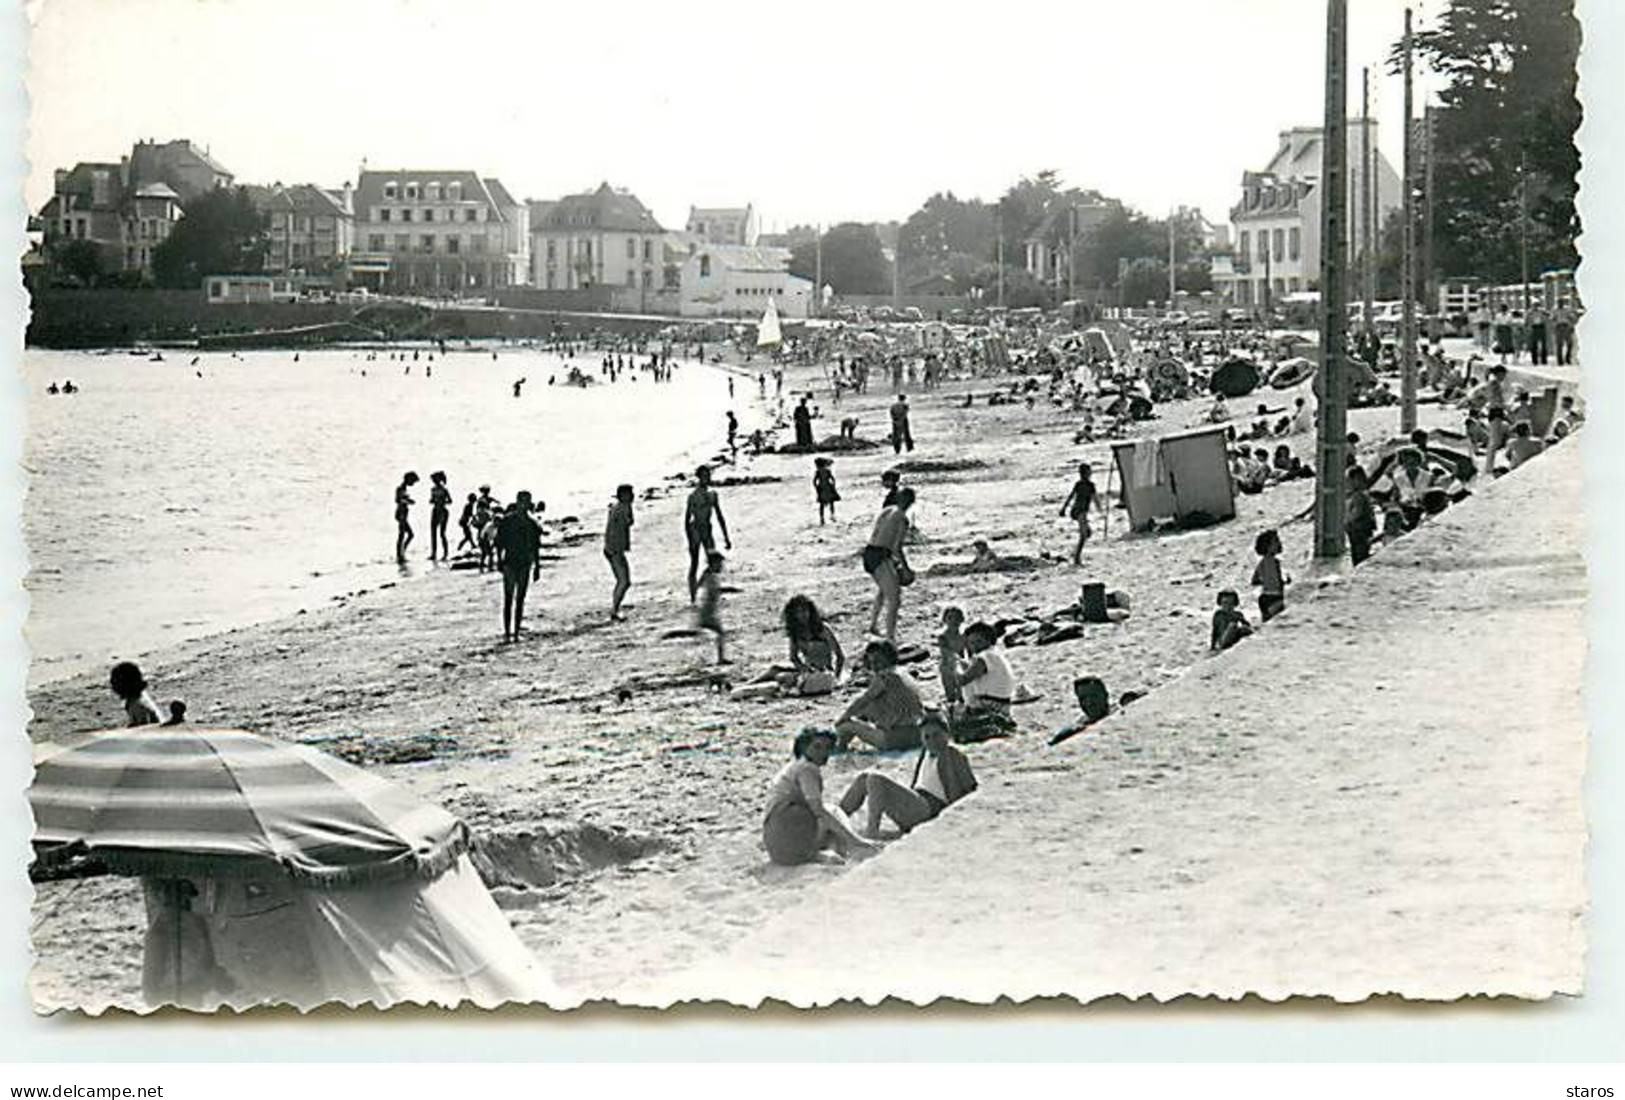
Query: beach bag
790	833
1093	603
980	725
905	573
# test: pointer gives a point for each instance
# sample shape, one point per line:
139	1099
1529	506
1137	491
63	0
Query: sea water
164	506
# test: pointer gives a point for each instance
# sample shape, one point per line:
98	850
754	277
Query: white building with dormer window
1275	227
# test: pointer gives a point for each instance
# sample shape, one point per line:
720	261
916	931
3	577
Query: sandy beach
615	787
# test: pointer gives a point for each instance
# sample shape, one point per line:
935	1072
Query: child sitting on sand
824	488
1267	577
1229	624
130	686
709	616
950	651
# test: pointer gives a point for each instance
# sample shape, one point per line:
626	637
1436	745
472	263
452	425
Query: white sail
767	334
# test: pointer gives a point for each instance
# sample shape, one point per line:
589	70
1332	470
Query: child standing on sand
710	605
824	487
1267	577
465	522
950	651
1077	504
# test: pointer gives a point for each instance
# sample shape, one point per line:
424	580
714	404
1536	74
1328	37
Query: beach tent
275	873
1542	411
1184	477
1096	343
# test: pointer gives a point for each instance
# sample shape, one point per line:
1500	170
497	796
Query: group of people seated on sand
799	825
1255	469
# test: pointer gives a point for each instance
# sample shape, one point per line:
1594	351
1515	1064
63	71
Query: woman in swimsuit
439	515
884	561
816	658
403	505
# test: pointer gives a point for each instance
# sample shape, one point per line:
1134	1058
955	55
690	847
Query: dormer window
411	192
454	191
432	193
389	190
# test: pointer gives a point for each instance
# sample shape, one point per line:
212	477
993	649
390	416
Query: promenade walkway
1378	793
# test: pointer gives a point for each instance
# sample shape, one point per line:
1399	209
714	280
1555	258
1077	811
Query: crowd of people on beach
887	712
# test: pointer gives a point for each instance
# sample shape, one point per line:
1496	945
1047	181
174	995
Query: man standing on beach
617	541
901	436
519	538
702	506
803	421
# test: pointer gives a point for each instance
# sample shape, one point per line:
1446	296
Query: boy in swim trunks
1077	504
702	506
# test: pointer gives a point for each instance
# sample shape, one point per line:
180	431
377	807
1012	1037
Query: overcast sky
815	112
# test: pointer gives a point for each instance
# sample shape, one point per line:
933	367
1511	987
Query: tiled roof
369	190
738	257
604	208
301	198
499	192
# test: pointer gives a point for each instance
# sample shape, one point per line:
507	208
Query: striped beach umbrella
180	801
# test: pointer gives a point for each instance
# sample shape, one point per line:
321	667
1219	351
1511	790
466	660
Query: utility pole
1269	290
897	272
999	225
1072	253
1332	440
1523	227
1171	282
818	271
1368	203
1430	292
1407	267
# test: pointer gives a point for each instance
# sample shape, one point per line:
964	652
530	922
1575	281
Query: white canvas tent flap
1176	477
273	941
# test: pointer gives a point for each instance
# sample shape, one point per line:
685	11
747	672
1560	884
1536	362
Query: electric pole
1407	266
1523	227
1332	440
818	271
1171	284
1368	204
1430	292
999	225
1072	253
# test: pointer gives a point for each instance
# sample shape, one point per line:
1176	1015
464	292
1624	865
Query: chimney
60	177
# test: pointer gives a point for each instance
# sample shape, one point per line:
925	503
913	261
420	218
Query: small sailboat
767	333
